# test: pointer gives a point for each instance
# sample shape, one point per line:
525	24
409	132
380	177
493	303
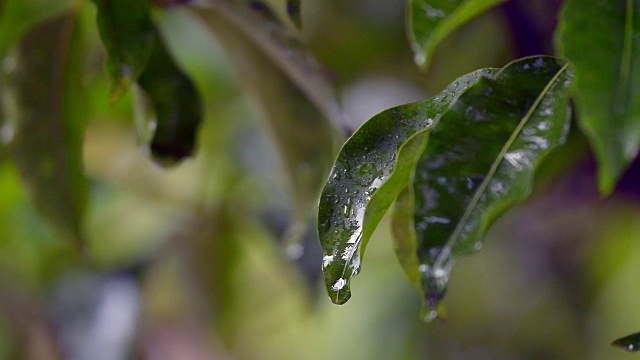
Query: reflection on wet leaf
480	160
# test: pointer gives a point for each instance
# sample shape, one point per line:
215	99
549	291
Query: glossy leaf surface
480	160
177	106
430	21
49	122
630	343
128	35
285	105
374	165
606	61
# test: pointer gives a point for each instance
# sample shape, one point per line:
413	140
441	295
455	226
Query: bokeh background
188	262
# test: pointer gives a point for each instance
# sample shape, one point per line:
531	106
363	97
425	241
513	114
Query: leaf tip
119	89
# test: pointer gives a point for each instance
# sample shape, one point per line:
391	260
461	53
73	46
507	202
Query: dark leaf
293	9
607	86
49	122
177	106
630	343
374	165
128	35
480	160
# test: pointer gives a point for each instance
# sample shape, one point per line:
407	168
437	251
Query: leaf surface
293	10
373	166
480	160
430	21
49	122
605	55
282	79
630	343
128	34
177	106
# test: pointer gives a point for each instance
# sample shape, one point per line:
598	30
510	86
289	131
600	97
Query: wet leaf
128	35
430	21
480	160
373	166
607	85
177	106
283	93
630	343
49	122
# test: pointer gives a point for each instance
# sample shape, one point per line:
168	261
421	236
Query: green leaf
128	35
292	94
293	9
607	86
18	16
630	343
49	122
177	105
430	21
373	166
480	160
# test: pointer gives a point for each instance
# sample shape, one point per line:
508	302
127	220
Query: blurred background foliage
188	262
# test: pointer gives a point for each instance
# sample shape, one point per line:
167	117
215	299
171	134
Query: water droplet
431	315
478	246
294	251
339	284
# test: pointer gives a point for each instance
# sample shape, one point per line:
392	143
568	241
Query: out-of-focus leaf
373	166
49	122
18	16
480	160
430	21
177	106
128	35
286	53
630	343
296	101
607	86
293	9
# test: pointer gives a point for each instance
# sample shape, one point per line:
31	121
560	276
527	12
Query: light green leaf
49	122
605	57
374	165
480	161
128	35
430	21
291	93
18	16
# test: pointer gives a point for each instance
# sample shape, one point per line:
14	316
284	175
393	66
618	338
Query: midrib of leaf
622	94
356	244
448	247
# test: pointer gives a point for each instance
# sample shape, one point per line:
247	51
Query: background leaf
430	21
49	122
271	73
607	86
480	160
128	35
293	9
373	166
177	106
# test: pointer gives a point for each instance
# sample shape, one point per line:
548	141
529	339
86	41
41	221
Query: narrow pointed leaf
606	61
285	103
373	166
630	343
430	21
49	122
177	106
480	160
128	35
